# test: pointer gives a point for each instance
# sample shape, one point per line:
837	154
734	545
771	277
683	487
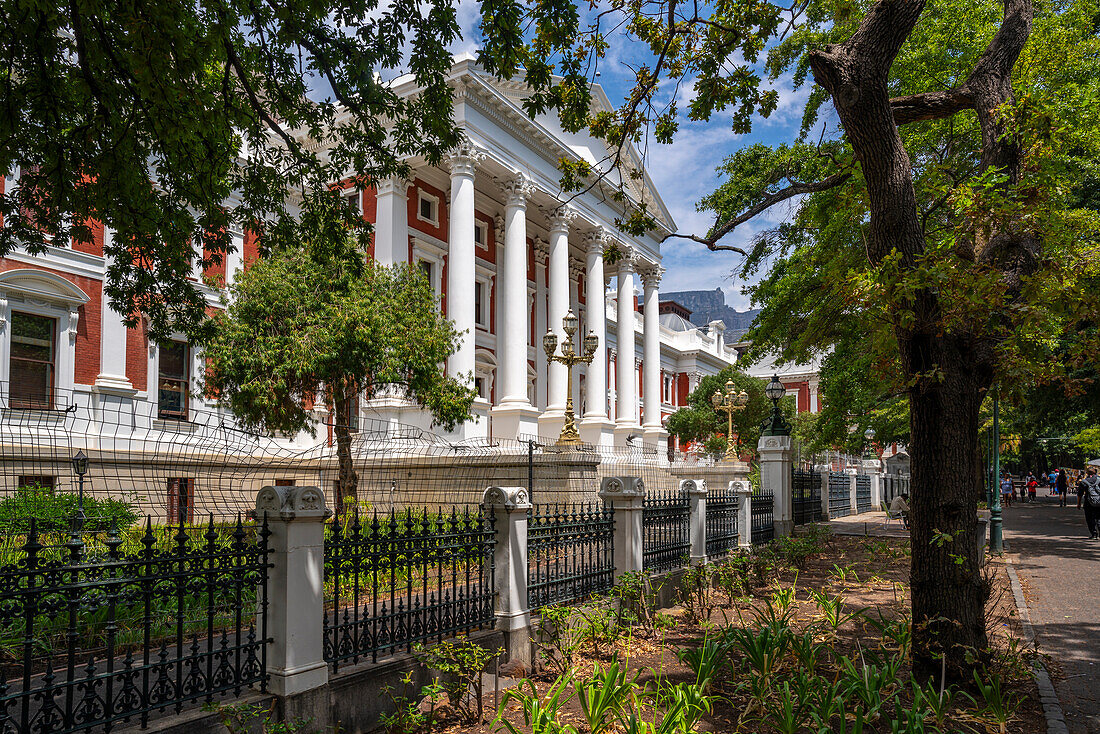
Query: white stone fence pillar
626	497
510	506
743	489
853	506
873	468
295	587
776	477
824	472
696	491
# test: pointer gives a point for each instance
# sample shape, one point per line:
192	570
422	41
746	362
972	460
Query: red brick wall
137	356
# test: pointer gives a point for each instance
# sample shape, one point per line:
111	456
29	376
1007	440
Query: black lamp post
775	425
869	448
80	468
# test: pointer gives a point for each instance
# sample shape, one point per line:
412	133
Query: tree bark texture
348	481
949	372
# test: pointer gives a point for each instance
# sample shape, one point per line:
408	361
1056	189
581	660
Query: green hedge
54	511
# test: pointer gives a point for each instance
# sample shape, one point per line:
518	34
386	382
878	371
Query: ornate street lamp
869	441
569	357
729	403
775	425
80	468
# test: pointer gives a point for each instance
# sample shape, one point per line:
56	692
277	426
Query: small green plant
734	575
763	648
844	574
706	661
540	714
460	662
995	706
831	612
636	596
241	718
697	592
558	637
664	621
935	701
406	717
603	697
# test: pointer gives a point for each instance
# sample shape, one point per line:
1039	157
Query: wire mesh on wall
206	464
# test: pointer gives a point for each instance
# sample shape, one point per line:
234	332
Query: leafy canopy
298	330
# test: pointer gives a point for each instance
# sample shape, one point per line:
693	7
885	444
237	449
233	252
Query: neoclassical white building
508	254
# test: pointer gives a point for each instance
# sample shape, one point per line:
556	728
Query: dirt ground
876	574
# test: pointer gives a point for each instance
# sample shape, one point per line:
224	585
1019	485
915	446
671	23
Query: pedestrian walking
1032	487
1088	495
1061	486
1052	481
1006	491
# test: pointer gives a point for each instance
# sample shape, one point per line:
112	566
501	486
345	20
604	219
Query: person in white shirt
899	507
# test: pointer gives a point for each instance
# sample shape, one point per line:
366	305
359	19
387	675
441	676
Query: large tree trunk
948	591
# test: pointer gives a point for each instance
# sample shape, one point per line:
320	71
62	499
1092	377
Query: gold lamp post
569	436
729	403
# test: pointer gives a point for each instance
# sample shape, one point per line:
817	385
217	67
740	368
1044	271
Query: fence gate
806	490
863	493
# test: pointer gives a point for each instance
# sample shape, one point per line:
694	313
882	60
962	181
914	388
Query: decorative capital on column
542	251
394	185
694	486
612	353
291	503
637	363
576	268
621	488
651	274
510	499
517	190
627	261
562	217
595	242
463	160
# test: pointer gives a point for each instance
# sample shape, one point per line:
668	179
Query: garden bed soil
876	575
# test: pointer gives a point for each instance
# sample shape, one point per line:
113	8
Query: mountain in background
707	306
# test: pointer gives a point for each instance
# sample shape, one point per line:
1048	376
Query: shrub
461	663
54	511
697	592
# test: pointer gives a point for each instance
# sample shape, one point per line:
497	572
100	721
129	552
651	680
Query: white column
576	271
295	592
775	476
551	421
626	496
460	258
743	490
391	226
626	392
542	252
510	506
651	362
595	427
112	337
696	491
514	414
234	261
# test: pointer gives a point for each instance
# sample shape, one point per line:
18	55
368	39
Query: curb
1052	707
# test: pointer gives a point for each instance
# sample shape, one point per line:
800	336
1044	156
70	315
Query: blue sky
684	172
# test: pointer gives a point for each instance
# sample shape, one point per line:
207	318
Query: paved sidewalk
1059	568
868	523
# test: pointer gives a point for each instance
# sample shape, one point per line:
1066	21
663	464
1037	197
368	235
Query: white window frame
482	318
42	293
482	227
348	193
424	249
485	365
422	196
196	400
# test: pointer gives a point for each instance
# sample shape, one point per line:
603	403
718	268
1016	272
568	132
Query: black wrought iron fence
396	579
570	552
98	628
721	522
840	501
863	493
806	492
666	543
763	522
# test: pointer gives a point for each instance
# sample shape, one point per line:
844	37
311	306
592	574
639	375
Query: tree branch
931	105
797	188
